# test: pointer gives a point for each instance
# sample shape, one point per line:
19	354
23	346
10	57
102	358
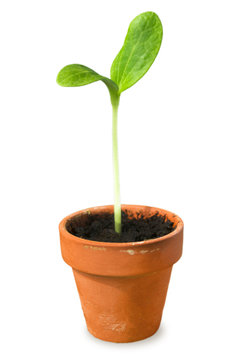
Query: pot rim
91	243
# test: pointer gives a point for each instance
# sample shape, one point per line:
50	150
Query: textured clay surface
122	285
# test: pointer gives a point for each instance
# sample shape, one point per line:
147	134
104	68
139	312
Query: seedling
140	48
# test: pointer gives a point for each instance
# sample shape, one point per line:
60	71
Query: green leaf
139	50
79	75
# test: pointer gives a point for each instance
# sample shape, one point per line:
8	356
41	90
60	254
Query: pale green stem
117	201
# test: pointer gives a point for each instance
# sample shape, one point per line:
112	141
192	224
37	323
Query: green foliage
139	51
79	75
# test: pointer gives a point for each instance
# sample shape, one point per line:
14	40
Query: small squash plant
140	48
122	281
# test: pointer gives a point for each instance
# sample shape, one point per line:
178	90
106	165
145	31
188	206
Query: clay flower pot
122	286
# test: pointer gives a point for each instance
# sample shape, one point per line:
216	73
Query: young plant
140	48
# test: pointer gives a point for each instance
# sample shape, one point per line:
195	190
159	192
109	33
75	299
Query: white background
179	150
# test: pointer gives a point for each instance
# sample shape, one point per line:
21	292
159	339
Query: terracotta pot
122	286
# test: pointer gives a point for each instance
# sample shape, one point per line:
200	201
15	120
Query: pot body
122	286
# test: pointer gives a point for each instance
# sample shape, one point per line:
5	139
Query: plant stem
117	202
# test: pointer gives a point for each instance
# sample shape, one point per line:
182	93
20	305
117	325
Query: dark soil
100	227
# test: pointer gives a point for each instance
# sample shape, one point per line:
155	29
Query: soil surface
100	227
